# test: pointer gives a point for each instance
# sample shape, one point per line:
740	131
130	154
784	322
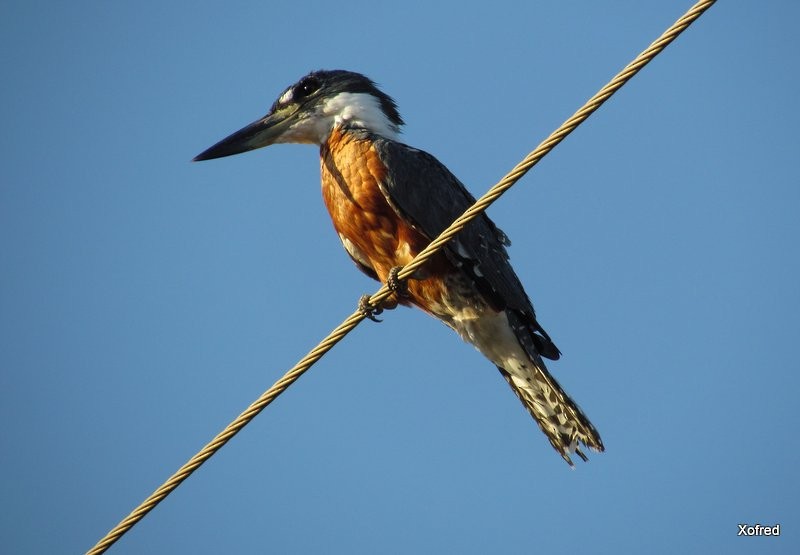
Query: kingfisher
388	201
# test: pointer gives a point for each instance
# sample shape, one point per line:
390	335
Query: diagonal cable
383	293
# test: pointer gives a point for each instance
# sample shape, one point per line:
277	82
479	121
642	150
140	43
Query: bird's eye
306	87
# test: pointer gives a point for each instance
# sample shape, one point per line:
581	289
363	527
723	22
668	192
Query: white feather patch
492	335
356	109
286	97
356	253
360	110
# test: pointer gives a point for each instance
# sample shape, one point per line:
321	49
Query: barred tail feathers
510	344
558	416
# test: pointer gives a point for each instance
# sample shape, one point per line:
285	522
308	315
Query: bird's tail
561	420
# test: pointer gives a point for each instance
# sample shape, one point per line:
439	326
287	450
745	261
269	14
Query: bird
387	202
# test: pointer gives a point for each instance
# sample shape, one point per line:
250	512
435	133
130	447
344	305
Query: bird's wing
428	196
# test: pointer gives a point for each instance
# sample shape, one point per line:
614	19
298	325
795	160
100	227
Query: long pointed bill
260	133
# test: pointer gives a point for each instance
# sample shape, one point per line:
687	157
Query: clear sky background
146	300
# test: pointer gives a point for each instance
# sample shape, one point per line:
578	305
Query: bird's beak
263	132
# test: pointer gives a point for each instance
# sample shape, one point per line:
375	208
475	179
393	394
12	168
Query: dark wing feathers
424	192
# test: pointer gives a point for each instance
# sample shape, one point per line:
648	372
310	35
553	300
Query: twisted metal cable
383	293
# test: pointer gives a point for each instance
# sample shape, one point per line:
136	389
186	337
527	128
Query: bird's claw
396	285
369	310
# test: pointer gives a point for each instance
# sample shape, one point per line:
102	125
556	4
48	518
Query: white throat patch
354	109
360	110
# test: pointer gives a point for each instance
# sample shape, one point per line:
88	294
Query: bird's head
308	111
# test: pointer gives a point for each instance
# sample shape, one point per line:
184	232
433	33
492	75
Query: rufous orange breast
368	226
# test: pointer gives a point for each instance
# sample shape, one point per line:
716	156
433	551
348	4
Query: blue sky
146	300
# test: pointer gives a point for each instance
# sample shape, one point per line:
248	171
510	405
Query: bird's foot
396	285
369	310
